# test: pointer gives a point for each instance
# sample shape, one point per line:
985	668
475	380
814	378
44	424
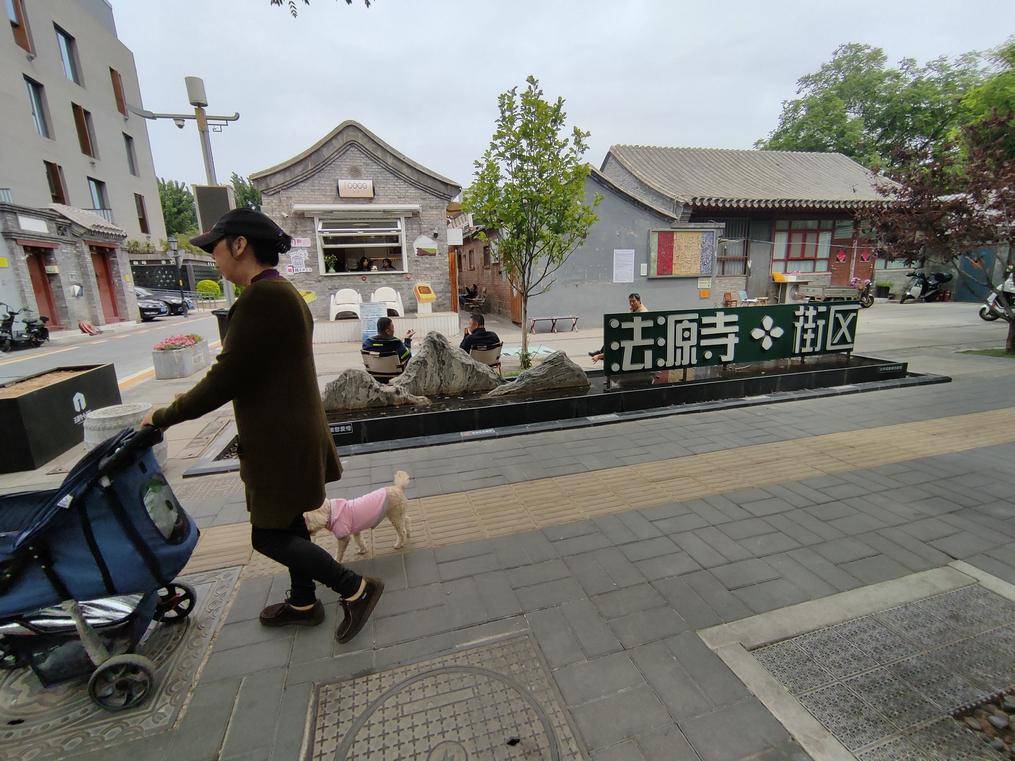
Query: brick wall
491	277
390	187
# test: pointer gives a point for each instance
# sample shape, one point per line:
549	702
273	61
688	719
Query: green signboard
647	341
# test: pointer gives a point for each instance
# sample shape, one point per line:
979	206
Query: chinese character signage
648	341
681	253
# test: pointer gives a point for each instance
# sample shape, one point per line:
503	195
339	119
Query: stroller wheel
176	601
122	682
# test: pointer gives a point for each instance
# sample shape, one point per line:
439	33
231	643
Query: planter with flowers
180	356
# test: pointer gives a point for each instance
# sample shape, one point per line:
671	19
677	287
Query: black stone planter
40	424
882	291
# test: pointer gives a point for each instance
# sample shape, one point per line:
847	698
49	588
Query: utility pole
199	100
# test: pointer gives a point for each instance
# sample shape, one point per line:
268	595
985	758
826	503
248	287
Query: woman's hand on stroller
148	418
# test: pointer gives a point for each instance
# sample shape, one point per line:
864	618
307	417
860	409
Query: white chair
381	368
488	355
391	298
345	301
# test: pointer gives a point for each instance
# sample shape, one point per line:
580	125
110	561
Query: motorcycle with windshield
34	334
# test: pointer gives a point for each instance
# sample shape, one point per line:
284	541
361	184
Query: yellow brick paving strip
501	510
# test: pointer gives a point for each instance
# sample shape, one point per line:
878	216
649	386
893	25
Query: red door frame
104	281
44	301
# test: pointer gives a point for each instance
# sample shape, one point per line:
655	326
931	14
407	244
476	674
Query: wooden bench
553	322
827	292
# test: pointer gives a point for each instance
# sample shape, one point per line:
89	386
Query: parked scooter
923	287
1002	296
35	333
865	288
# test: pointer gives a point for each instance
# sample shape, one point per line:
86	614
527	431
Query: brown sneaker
284	614
358	611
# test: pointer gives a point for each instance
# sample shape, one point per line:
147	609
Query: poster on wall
623	265
369	313
681	253
297	261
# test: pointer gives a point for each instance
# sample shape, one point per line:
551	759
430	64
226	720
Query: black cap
249	224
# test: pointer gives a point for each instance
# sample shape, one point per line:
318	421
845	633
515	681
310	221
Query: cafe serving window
361	246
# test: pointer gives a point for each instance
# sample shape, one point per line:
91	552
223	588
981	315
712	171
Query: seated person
387	266
634	305
363	265
386	344
477	336
473	292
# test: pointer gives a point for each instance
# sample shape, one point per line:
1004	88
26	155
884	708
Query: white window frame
352	219
67	46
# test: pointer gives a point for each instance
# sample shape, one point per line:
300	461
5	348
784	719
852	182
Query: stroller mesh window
164	510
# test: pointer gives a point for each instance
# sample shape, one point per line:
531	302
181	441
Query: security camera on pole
221	204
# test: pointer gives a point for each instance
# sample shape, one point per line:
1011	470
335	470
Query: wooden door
104	280
40	285
863	262
516	305
453	277
840	261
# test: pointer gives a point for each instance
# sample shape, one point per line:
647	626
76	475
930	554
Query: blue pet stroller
85	568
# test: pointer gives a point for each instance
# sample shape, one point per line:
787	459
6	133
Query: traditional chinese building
782	211
363	216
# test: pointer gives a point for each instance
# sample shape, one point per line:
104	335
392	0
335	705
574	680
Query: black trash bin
222	315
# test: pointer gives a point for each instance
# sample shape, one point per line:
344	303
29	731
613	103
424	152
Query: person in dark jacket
477	336
386	344
266	369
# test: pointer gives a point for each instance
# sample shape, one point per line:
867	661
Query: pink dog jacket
350	516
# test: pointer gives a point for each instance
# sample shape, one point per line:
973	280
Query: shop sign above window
355	188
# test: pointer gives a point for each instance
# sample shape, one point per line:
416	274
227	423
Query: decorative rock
996	744
1009	703
440	369
972	723
554	372
104	422
998	722
354	389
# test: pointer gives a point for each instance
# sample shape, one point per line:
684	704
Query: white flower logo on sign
767	332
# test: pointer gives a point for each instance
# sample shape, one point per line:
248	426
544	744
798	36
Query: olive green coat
266	368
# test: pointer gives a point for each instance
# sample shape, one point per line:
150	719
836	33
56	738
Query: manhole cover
495	702
36	723
887	684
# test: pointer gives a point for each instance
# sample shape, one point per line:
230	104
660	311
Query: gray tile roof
88	220
744	179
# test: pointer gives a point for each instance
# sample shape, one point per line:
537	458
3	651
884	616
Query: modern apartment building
67	135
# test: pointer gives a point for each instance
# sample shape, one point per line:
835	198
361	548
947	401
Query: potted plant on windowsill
180	356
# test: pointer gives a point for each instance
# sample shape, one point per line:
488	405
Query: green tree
858	105
245	194
993	101
177	206
293	6
529	186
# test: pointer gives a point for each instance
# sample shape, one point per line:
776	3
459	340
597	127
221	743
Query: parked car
149	306
172	301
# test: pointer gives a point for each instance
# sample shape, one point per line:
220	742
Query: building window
894	264
86	130
732	250
68	55
37	102
57	186
97	190
142	217
361	245
128	144
117	80
802	245
487	258
19	24
472	261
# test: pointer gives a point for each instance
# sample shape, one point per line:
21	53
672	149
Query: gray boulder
354	389
556	371
439	369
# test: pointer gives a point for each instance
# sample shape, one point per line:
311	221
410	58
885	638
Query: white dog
348	517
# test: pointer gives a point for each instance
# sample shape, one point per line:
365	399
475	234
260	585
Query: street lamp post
199	100
178	256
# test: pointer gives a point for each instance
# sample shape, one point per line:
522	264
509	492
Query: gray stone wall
390	187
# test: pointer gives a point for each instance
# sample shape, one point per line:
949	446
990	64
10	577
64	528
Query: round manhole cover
453	713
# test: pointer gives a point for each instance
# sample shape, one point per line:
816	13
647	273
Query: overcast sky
424	75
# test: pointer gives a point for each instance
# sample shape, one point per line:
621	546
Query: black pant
307	562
